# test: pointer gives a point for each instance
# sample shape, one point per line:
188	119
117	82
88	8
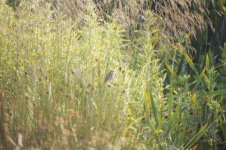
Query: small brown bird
109	76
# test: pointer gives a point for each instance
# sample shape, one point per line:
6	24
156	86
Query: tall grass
52	81
54	93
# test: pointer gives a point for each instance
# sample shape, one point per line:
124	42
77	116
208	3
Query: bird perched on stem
109	76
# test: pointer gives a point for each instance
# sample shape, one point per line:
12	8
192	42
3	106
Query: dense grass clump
53	80
56	92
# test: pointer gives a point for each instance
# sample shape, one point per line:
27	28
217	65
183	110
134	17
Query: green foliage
52	77
53	69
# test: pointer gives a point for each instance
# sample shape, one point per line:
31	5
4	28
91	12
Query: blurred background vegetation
167	59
